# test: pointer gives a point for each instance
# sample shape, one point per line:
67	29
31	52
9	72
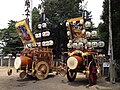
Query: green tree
35	19
104	30
10	38
57	12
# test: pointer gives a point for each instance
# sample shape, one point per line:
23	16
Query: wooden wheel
9	72
71	75
42	70
23	75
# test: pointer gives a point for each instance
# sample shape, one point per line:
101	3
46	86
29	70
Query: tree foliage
57	12
10	38
104	29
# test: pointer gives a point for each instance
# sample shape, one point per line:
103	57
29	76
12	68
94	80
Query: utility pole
110	48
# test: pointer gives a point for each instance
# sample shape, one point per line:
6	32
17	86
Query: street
53	82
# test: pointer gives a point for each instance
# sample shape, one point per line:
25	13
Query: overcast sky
14	10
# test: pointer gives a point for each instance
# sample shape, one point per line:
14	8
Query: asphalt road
53	82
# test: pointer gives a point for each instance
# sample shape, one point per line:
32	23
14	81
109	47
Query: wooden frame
25	33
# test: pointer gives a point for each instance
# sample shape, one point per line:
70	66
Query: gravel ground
53	82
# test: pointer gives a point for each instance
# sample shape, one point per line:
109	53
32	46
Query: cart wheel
9	72
23	75
71	75
42	70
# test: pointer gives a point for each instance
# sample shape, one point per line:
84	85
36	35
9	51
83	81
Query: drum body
23	62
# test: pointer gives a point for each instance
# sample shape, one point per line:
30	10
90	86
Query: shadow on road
31	78
79	82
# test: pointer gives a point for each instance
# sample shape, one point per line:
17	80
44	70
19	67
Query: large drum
74	62
23	62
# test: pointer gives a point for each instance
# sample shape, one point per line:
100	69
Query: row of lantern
88	33
88	24
88	44
43	25
45	43
44	34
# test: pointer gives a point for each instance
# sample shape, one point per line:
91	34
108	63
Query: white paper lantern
39	43
94	44
43	43
46	43
39	35
81	21
74	45
83	31
74	22
87	24
68	33
44	25
101	44
51	42
46	33
43	34
89	44
36	35
88	34
70	41
94	33
80	44
69	45
39	26
67	24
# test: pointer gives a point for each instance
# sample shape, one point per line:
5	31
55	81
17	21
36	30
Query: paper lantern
51	42
101	44
81	21
67	24
36	35
69	45
80	44
39	35
88	34
94	44
74	45
94	33
39	26
44	25
89	44
87	24
38	43
83	31
43	43
74	22
46	33
68	33
70	41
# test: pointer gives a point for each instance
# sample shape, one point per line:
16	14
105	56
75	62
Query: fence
6	60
